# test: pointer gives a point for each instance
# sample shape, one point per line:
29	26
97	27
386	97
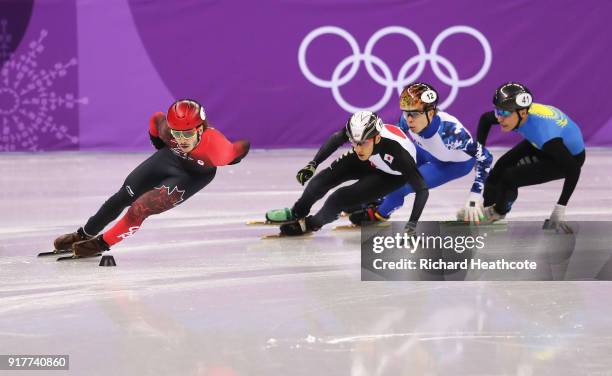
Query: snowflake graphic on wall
27	98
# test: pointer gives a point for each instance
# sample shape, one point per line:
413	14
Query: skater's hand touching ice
557	221
473	209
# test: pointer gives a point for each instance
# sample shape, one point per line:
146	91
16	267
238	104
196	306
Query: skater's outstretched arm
241	149
458	138
214	148
154	124
464	142
567	163
484	126
405	164
219	150
571	169
331	145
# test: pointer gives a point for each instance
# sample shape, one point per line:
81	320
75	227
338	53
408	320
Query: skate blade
261	223
481	224
346	227
266	223
278	236
73	257
357	227
497	226
52	253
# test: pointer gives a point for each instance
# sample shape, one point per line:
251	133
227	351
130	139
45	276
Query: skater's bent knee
154	202
121	198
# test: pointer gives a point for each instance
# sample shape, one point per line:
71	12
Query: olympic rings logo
403	78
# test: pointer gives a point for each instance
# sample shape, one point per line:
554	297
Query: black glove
157	142
246	146
306	173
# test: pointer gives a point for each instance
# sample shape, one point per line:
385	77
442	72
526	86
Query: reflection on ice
196	292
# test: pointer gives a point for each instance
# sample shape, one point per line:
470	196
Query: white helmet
363	125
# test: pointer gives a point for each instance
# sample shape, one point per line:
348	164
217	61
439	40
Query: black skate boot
368	214
90	247
65	242
298	227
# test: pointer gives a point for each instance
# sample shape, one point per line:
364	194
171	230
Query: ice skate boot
280	215
366	215
65	242
298	227
90	247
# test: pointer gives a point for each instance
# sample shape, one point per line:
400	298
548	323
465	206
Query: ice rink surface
196	292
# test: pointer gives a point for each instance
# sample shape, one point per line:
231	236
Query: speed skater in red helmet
188	153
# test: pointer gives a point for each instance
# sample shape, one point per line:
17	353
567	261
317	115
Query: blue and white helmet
363	125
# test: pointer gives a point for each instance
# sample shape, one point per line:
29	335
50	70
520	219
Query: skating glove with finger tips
557	221
473	209
558	214
306	173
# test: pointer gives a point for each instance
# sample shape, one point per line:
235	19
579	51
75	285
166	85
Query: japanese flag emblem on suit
388	158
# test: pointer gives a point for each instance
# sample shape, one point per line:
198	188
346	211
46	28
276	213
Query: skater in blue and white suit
445	151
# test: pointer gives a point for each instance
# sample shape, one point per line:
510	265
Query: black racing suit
525	165
166	179
389	167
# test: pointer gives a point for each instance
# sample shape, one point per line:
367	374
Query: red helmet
186	114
